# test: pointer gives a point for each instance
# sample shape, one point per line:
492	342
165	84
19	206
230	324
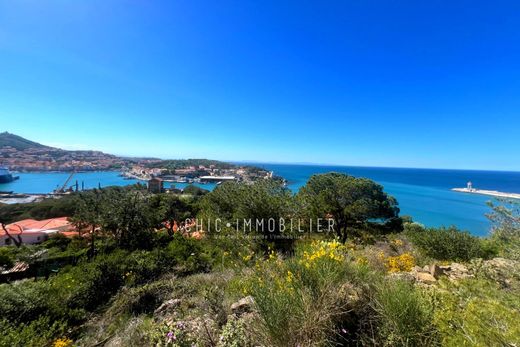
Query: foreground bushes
304	300
448	243
34	334
77	290
476	312
401	315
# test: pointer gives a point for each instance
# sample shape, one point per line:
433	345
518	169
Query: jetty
469	189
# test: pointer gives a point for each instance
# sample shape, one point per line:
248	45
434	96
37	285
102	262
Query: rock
243	305
458	271
501	263
456	267
436	271
445	268
505	272
417	269
167	307
404	276
425	277
351	296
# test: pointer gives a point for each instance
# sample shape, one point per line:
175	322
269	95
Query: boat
5	175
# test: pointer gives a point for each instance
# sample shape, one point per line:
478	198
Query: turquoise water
423	194
46	182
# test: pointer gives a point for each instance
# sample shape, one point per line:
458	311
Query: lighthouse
470	186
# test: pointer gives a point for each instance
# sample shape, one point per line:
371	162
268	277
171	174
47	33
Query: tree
128	217
6	260
89	214
505	229
194	190
353	203
242	205
16	240
172	210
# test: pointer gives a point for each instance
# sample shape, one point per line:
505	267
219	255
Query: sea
423	194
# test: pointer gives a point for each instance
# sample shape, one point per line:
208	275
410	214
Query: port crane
61	190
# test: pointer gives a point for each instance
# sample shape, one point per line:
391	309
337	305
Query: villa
31	231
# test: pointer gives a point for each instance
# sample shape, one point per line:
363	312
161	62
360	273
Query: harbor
493	193
471	190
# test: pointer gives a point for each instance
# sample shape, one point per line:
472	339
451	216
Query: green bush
401	315
307	298
187	254
505	231
91	284
58	240
449	244
6	258
40	332
24	301
476	312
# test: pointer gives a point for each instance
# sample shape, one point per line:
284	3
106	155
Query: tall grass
304	300
402	316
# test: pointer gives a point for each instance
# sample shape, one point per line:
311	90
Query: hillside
18	142
20	154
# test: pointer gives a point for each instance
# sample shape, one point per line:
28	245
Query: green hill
18	142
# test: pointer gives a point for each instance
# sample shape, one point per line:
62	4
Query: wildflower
171	336
290	276
62	342
398	242
403	262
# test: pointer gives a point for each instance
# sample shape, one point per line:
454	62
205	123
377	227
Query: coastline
487	192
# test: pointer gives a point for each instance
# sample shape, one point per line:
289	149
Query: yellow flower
398	242
290	276
62	342
403	262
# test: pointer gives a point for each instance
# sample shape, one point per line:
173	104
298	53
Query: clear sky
377	83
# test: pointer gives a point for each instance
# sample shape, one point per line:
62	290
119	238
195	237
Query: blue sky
376	83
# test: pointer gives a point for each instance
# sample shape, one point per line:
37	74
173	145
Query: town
22	155
217	172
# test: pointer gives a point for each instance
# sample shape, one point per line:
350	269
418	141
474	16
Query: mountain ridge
19	143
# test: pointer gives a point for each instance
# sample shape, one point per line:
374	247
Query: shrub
235	334
23	301
476	312
187	254
6	258
40	332
403	262
58	240
505	231
304	299
91	284
449	244
401	316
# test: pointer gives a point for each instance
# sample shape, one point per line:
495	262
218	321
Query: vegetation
356	204
136	281
449	244
17	142
242	205
48	208
183	163
506	227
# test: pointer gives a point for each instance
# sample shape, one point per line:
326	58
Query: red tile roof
31	225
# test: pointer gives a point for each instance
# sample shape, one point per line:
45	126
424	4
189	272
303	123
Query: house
155	185
31	231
